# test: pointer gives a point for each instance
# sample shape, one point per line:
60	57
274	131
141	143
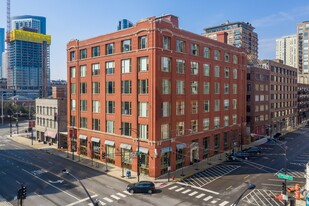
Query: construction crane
8	31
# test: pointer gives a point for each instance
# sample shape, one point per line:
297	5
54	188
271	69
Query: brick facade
134	99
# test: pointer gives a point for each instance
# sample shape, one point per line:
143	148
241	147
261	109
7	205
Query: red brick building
173	95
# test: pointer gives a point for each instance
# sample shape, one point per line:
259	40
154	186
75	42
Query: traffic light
283	187
23	192
19	194
103	155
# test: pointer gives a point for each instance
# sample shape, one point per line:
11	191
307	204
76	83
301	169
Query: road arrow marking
55	182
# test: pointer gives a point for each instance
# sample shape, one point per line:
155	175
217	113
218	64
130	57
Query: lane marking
186	191
127	192
171	188
200	195
199	188
207	198
120	194
229	187
51	184
82	200
193	193
178	190
115	197
246	177
224	203
214	201
102	203
107	199
18	182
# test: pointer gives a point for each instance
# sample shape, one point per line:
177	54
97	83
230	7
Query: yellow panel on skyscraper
30	36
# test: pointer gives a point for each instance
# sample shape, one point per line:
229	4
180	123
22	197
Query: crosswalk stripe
107	199
200	195
90	204
207	198
193	193
213	202
171	188
180	189
115	197
224	203
127	192
102	203
186	191
120	194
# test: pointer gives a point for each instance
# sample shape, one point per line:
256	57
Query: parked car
278	136
307	124
253	150
239	155
141	187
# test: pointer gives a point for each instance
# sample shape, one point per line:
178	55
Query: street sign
283	176
139	153
132	155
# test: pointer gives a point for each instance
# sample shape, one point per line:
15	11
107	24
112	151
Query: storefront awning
125	146
181	146
95	139
166	150
83	137
110	143
143	150
50	134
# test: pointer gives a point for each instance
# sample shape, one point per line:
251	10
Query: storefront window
144	163
180	158
83	147
110	154
126	159
164	162
96	150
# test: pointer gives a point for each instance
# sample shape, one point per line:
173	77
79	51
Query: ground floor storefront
154	159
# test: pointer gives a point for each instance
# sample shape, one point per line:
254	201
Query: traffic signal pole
21	194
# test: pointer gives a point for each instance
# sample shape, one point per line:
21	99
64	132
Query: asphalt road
46	185
222	184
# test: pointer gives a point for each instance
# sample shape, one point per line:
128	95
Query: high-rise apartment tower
239	34
302	40
286	50
29	52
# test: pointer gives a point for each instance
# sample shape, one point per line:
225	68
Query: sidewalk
117	172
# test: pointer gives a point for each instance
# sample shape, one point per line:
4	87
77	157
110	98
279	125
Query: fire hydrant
173	177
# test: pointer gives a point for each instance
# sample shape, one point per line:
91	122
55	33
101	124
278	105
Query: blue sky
82	19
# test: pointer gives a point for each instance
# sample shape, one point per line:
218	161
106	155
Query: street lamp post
95	203
250	187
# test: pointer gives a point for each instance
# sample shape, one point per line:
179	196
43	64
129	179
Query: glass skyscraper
29	55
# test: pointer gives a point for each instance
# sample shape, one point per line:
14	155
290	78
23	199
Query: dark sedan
239	155
142	187
253	150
